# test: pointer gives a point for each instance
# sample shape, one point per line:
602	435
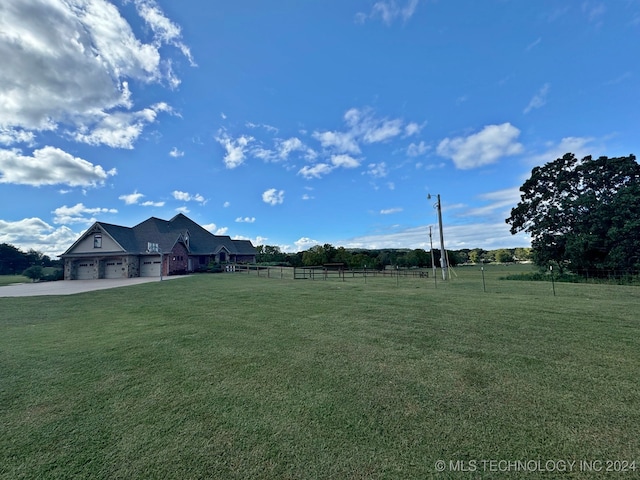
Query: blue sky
295	123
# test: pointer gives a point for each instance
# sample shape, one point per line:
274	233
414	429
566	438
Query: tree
583	215
503	255
12	260
34	272
270	254
522	254
318	255
478	255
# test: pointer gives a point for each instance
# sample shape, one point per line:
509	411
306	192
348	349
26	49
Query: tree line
381	258
14	261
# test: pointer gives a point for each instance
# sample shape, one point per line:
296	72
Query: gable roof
166	233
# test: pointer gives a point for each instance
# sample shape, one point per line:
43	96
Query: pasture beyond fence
327	273
487	277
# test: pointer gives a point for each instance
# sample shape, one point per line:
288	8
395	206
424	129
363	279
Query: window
97	241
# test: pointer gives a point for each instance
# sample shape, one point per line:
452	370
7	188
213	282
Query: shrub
34	272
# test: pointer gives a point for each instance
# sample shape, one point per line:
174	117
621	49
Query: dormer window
97	241
186	240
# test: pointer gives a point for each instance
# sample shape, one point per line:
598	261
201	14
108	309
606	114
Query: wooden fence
323	273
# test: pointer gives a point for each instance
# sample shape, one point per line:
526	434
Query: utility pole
443	252
433	263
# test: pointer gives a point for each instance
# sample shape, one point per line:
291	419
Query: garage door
114	268
150	267
85	270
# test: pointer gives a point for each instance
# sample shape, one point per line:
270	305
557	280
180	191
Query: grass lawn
234	376
9	279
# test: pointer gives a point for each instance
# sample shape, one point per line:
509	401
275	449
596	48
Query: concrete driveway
69	287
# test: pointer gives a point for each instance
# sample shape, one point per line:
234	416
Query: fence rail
322	273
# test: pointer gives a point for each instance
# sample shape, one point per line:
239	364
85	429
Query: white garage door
114	268
150	267
85	270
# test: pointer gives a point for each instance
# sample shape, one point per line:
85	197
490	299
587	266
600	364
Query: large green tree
583	215
12	260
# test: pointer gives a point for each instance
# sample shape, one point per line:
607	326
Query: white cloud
365	126
315	171
294	144
473	235
187	197
67	64
175	153
182	209
283	150
305	243
344	161
213	228
9	136
119	129
500	203
50	166
131	198
35	233
539	99
245	220
268	128
342	142
389	211
290	145
226	204
417	149
412	128
377	170
386	130
135	197
534	44
235	148
482	148
273	196
164	29
576	145
78	214
389	11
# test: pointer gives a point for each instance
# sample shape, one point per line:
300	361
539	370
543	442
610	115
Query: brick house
155	246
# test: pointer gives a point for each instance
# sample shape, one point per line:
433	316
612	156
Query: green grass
9	279
234	376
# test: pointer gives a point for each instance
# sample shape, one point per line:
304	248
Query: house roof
166	233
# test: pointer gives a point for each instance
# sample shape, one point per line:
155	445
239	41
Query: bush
52	274
35	272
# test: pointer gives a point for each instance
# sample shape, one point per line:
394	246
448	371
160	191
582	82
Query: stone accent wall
69	270
178	260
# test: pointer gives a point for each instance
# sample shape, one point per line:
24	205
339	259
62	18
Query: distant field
233	376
